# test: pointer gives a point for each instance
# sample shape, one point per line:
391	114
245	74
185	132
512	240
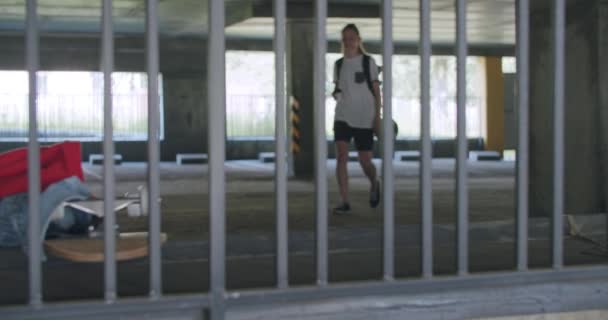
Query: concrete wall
602	40
510	115
495	109
584	168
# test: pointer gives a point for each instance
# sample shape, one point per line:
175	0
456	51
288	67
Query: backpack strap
338	67
368	76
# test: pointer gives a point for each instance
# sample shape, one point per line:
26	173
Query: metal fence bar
216	87
107	64
33	158
558	127
153	149
320	140
388	142
462	192
523	71
280	186
425	132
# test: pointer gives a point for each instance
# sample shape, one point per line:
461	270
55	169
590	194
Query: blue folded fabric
14	211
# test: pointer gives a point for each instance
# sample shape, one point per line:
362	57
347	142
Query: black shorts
364	138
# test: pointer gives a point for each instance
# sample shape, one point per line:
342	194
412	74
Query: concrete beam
304	9
498	50
82	53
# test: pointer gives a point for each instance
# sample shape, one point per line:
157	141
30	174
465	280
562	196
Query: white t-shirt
355	104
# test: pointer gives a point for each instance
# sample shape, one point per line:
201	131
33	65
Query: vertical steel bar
153	149
558	127
388	142
320	141
462	192
523	45
33	158
216	88
280	145
107	64
425	132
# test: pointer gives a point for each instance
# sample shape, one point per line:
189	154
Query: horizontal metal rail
122	307
242	298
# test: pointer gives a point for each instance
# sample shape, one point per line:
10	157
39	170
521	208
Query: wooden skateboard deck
129	245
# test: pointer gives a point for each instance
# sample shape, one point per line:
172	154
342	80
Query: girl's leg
342	169
365	160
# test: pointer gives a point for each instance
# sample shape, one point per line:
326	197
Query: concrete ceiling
490	22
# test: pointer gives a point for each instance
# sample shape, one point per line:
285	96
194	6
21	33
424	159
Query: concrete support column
602	39
495	105
300	46
585	115
185	115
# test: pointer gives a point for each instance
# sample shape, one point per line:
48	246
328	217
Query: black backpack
368	77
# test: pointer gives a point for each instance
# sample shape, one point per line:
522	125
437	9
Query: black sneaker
344	208
374	195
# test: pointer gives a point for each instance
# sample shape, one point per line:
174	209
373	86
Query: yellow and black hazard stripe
295	126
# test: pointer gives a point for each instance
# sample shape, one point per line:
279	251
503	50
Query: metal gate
218	299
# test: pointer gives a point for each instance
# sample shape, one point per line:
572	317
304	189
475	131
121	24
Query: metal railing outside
219	299
254	116
76	117
250	115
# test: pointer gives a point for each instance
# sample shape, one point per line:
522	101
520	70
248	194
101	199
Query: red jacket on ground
57	162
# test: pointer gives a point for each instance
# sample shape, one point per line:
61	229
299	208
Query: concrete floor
355	241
